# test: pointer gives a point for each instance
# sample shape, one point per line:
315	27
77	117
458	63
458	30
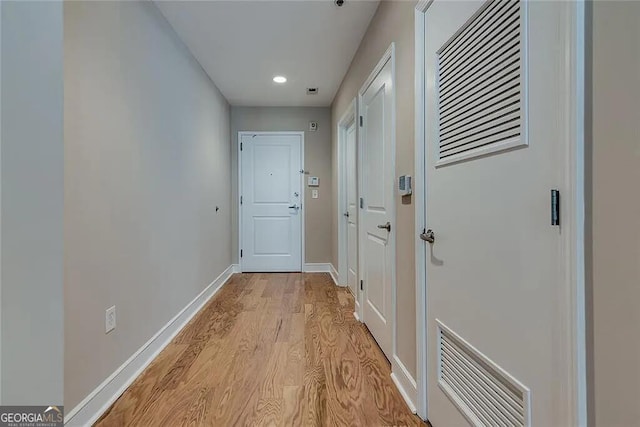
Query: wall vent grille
484	393
481	90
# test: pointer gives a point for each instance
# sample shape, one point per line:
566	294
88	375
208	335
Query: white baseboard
99	400
334	275
316	267
350	291
356	309
235	268
405	383
322	267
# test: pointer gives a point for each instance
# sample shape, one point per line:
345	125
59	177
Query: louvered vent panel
480	90
483	392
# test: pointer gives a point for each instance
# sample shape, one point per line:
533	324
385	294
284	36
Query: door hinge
361	203
555	207
240	253
240	199
241	146
361	285
361	121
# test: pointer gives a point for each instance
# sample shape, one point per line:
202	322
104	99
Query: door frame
302	191
388	56
348	117
572	214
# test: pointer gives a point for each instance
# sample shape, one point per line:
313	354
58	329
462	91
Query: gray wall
317	161
615	273
32	203
147	160
393	22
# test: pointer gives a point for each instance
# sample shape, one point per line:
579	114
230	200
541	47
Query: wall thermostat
313	126
313	181
404	185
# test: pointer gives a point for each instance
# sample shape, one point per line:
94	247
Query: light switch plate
110	319
314	194
313	181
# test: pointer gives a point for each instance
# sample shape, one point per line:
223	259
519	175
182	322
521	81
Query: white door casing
497	271
347	209
377	218
271	201
352	208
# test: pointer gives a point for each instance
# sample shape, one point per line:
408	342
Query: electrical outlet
314	194
110	320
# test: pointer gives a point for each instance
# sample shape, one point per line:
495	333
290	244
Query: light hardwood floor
268	349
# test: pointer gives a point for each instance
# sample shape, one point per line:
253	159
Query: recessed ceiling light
280	79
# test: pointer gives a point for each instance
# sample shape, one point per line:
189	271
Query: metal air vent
485	393
481	90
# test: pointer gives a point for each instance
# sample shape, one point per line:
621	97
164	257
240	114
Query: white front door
271	202
376	108
352	209
496	142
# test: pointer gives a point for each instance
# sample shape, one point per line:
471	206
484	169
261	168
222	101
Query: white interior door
271	202
376	107
352	209
497	303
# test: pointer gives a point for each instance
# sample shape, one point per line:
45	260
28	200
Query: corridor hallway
269	349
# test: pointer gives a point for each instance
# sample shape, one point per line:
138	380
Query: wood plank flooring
268	349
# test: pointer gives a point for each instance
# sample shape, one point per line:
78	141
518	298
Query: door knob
296	207
428	236
346	214
387	226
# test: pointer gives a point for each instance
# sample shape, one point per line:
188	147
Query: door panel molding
239	201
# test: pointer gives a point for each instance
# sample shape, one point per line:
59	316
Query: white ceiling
242	45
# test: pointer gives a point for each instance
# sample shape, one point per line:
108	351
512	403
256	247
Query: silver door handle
387	226
428	236
296	207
